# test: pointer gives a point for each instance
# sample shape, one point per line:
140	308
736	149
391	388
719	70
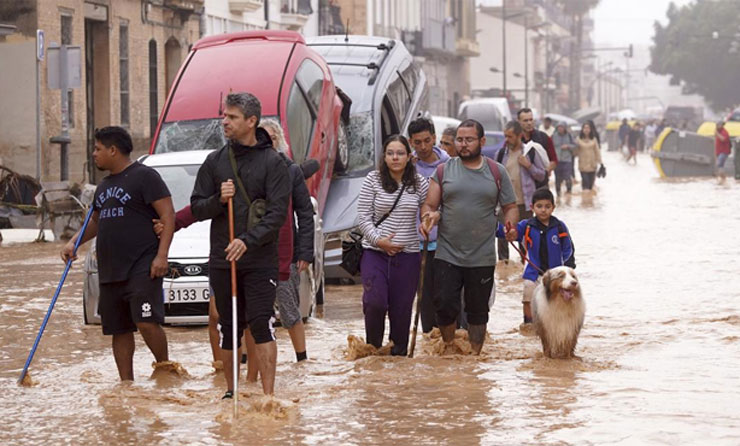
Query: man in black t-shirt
131	259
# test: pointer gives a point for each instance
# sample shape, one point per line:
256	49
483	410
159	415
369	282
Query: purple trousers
389	284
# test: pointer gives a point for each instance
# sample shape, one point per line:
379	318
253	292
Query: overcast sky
621	22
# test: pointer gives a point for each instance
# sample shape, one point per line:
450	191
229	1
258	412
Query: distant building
440	34
131	52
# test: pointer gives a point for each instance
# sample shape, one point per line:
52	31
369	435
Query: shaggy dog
559	310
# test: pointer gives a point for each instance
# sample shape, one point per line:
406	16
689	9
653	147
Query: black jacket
303	209
264	175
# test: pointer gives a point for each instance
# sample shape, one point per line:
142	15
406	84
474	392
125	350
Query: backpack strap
497	177
562	233
500	154
440	173
235	169
527	239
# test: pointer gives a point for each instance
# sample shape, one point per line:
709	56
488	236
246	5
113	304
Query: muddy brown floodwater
659	352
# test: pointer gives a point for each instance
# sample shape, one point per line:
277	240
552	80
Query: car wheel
341	162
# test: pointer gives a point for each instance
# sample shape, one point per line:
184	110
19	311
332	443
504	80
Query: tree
698	49
576	9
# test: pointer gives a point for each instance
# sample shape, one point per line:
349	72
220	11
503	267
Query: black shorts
256	291
449	281
124	304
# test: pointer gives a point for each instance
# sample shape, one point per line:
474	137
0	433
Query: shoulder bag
257	207
352	248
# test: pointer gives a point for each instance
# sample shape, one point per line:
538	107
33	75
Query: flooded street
659	350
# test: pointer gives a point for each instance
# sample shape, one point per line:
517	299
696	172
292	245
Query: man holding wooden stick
247	171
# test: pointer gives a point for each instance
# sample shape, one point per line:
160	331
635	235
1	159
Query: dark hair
593	130
543	193
449	131
409	173
419	125
548	119
514	125
115	136
523	110
472	123
591	135
247	103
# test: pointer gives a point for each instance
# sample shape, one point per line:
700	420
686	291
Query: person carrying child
546	241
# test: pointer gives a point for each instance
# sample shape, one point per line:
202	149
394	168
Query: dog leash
524	256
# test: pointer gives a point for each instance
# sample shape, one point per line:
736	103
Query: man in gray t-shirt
466	248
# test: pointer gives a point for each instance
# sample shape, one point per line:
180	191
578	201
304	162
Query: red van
293	83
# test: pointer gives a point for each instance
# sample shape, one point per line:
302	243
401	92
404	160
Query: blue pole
54	299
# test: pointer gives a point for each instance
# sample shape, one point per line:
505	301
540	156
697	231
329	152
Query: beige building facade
130	52
440	34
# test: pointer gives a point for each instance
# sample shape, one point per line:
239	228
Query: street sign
74	67
40	44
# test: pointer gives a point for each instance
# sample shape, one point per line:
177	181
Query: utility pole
503	42
63	73
526	62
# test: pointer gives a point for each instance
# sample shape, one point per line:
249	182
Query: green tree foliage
699	48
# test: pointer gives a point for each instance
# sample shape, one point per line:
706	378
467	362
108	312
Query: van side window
399	98
301	121
388	120
411	77
311	79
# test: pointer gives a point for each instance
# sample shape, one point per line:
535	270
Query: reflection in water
658	352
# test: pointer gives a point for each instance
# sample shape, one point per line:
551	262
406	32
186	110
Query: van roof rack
384	46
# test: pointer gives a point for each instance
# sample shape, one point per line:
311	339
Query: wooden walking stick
234	318
419	291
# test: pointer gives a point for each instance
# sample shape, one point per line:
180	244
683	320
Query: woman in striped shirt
391	260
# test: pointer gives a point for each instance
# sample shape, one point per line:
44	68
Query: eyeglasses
469	140
399	154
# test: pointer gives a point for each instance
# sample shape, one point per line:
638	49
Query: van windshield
360	142
199	134
180	136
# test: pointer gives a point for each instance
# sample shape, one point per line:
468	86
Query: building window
67	40
153	106
123	73
66	29
71	107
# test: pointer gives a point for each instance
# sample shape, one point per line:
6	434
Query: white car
186	292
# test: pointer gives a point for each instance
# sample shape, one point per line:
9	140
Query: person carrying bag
352	248
388	208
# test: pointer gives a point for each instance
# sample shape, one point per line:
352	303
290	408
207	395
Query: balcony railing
184	5
437	28
298	7
242	6
294	13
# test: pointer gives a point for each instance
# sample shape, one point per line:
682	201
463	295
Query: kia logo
192	270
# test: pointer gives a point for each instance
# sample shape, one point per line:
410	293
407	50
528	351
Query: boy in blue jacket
556	250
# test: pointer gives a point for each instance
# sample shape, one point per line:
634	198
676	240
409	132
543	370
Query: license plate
186	294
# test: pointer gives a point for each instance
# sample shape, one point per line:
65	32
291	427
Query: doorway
97	86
